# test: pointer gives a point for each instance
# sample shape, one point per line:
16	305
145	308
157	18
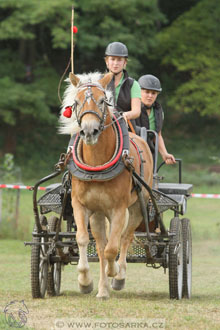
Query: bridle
89	95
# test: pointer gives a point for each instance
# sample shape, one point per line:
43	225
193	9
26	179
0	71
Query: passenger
152	113
126	90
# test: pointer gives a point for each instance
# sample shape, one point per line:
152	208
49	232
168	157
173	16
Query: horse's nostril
82	133
96	131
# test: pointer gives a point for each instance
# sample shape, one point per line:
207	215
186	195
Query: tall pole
1	206
72	46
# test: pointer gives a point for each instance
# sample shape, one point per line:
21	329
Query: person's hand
169	159
125	117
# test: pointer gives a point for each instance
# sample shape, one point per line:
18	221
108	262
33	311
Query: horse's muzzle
90	132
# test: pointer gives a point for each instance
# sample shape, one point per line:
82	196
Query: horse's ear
74	79
106	79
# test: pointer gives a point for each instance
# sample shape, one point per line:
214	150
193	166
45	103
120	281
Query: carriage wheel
54	274
187	258
176	260
39	268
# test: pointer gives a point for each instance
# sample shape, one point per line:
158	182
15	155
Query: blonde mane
70	125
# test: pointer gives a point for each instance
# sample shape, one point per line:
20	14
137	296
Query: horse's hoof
102	297
112	271
86	288
117	284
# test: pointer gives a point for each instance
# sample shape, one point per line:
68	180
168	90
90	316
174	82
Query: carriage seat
176	188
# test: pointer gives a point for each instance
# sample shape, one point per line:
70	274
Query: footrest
180	199
164	202
167	201
51	201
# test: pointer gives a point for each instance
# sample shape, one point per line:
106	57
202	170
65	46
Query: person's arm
168	158
135	109
135	102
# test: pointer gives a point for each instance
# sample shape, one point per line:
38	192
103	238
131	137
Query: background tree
177	41
28	32
134	23
35	43
189	53
173	9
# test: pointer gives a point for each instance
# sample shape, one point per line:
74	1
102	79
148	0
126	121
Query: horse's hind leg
97	222
118	282
82	238
118	222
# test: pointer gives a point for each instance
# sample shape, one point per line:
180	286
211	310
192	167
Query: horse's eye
101	101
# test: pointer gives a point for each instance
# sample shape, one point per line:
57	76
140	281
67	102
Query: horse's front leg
97	222
81	216
119	220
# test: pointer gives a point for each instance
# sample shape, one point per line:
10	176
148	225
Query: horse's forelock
70	125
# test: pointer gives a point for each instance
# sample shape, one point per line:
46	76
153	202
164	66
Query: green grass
5	326
198	157
145	296
204	215
22	226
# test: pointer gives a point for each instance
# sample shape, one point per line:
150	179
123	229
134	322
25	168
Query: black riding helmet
116	49
151	82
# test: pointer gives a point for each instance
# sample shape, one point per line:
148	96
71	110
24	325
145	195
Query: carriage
54	242
51	248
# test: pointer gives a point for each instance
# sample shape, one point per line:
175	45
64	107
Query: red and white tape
216	196
12	186
15	186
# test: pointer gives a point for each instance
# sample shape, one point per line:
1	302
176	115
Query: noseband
89	95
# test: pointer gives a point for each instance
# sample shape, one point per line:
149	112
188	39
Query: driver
126	90
152	113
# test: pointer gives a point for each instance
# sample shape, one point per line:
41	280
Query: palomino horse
95	201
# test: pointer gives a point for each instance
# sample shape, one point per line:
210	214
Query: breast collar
106	171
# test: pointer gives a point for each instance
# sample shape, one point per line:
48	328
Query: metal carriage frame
168	248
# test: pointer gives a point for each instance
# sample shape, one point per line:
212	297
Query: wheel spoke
54	276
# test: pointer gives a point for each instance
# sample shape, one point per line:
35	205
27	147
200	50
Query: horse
95	201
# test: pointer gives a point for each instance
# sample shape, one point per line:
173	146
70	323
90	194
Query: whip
74	30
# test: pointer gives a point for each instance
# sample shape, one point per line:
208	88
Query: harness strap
131	126
141	160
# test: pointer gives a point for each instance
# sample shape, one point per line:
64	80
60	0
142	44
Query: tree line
176	41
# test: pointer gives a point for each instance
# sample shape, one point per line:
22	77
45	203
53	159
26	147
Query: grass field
197	160
145	297
204	215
